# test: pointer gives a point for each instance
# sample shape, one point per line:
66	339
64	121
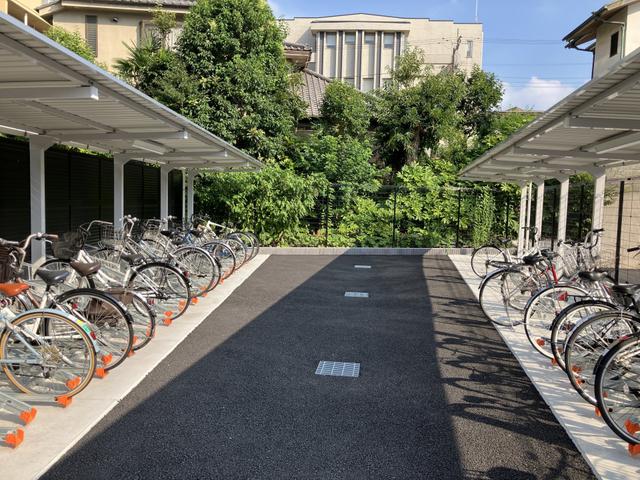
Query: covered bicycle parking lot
595	130
52	96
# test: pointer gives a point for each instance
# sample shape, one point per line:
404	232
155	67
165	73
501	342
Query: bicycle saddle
532	259
52	277
548	254
133	259
594	276
626	289
85	268
13	289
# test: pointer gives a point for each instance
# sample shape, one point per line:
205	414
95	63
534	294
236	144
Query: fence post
458	220
395	201
326	218
616	274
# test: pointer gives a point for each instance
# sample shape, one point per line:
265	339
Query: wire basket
68	245
8	264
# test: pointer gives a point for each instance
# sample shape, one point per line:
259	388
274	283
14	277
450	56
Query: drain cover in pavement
338	369
356	294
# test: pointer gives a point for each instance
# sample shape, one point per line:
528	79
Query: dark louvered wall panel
14	190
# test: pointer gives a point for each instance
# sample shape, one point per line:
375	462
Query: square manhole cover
356	294
338	369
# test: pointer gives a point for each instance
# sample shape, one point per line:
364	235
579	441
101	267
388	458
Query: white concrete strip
363	251
356	294
362	266
602	449
56	430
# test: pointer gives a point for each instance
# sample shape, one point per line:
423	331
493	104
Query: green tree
344	111
73	41
234	50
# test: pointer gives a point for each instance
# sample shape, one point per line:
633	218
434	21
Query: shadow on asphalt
439	395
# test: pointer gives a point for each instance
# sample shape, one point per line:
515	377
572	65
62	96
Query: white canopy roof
596	127
47	90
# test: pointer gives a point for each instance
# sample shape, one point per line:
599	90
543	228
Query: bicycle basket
8	264
68	245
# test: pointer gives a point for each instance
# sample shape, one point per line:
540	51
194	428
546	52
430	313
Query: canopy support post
192	175
164	191
539	210
118	189
524	192
563	209
598	198
37	148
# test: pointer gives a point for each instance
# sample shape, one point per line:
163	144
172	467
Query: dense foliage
377	169
73	41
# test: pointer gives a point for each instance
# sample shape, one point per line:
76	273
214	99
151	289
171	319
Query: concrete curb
363	251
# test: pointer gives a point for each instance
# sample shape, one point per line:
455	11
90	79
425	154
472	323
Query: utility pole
455	51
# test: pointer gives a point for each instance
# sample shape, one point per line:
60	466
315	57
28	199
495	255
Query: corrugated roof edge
172	115
543	120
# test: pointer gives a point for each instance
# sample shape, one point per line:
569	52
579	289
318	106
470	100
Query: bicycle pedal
168	313
64	400
167	321
540	342
634	450
28	416
73	383
14	439
101	372
203	294
106	359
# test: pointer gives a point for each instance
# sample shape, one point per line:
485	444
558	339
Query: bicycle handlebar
633	249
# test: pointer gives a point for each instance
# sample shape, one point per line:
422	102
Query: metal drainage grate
338	369
362	266
356	294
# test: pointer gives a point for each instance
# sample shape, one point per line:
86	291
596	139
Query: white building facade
361	49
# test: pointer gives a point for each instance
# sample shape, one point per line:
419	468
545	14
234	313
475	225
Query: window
367	84
331	40
149	30
388	40
91	31
370	38
469	48
350	38
613	48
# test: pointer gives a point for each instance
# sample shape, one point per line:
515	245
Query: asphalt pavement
439	395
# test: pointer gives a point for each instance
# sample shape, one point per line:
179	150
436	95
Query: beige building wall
603	61
362	48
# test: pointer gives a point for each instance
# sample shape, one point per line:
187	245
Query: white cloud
537	94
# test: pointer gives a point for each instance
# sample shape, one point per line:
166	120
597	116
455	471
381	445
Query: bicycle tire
484	254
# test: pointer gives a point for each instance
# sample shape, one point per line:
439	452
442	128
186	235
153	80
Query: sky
523	38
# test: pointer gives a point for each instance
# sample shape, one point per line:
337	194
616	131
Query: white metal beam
72	117
66	136
563	209
613	143
60	93
580	154
37	149
601	123
609	94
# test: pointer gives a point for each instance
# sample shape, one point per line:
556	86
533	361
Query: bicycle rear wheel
199	267
617	389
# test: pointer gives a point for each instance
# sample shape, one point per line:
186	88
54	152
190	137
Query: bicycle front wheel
482	256
45	352
164	288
